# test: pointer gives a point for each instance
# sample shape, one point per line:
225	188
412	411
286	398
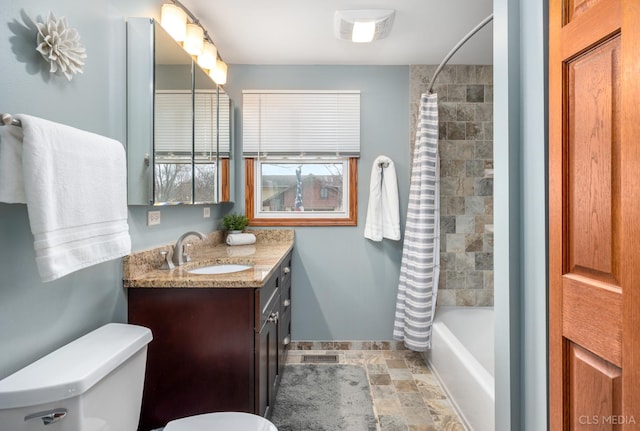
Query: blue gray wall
344	285
36	317
520	145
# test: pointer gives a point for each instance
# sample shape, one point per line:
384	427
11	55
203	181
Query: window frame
351	219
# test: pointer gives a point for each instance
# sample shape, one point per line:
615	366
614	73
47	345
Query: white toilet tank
92	384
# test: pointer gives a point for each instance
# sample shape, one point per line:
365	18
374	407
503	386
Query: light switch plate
153	218
206	212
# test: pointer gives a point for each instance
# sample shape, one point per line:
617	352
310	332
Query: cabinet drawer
267	300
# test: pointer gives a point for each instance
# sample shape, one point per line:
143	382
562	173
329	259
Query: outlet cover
153	218
206	212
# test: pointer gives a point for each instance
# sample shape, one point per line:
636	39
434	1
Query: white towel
75	188
383	212
11	178
241	250
241	238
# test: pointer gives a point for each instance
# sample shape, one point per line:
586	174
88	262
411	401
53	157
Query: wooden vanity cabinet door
201	358
267	361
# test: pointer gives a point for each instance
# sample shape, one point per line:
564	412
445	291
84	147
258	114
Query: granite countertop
141	269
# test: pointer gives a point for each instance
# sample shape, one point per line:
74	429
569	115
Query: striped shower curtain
418	284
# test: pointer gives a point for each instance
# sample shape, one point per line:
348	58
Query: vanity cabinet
213	349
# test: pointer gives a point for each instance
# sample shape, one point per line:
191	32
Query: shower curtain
419	271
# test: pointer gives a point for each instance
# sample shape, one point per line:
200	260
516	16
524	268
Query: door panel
596	391
594	208
575	8
593	157
592	317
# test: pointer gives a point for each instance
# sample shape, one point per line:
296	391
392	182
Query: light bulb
363	31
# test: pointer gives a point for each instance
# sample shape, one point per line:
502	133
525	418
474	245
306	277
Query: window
301	150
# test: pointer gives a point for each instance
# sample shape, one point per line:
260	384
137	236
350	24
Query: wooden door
594	214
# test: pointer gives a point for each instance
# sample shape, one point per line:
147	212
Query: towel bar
8	120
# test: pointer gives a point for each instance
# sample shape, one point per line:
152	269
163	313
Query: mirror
205	102
173	131
177	118
225	129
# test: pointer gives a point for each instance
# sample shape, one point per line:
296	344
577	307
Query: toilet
95	384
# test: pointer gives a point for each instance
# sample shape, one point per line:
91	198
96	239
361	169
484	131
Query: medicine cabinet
179	123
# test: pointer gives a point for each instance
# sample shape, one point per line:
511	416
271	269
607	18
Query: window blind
301	122
205	126
204	131
173	121
225	125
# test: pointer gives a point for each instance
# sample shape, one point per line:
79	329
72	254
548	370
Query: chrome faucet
180	255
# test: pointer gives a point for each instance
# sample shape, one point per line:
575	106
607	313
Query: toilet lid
223	421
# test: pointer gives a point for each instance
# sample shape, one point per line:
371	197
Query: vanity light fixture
364	25
194	38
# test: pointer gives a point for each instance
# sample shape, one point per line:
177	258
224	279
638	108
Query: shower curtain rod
456	48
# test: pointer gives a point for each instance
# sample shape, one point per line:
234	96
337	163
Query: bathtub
462	358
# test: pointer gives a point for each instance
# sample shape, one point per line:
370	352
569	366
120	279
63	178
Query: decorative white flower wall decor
60	46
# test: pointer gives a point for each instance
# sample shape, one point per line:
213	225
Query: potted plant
235	223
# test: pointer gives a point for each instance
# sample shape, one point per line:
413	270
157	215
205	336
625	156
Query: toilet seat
223	421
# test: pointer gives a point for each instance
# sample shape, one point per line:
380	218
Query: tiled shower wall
465	99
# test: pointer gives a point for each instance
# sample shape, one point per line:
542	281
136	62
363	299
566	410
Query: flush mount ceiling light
364	25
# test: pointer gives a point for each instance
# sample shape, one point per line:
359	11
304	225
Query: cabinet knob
286	270
273	317
286	303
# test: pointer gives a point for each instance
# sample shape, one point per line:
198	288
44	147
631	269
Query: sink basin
219	269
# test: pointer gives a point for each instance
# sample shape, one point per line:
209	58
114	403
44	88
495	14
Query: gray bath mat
324	398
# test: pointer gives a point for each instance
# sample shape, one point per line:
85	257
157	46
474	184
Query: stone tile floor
406	395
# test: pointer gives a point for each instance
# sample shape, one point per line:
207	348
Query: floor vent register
320	359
